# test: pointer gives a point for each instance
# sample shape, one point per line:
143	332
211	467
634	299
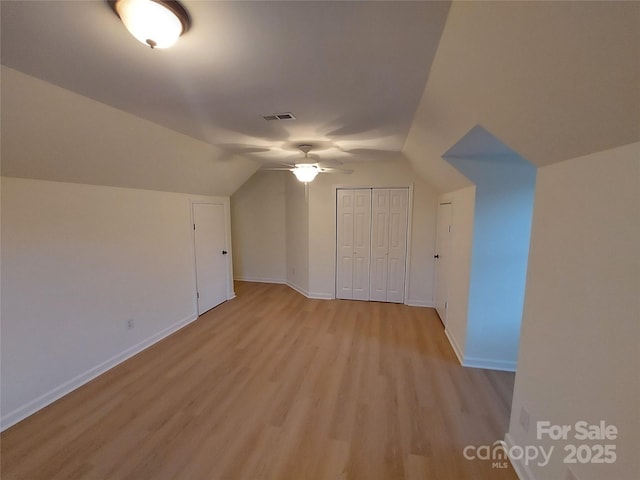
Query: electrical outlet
524	419
570	475
130	324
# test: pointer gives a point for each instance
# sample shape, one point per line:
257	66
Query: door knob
224	252
436	256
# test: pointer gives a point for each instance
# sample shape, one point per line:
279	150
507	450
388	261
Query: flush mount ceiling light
156	23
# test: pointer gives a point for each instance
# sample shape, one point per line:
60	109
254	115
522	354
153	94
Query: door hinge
197	294
446	304
449	228
194	226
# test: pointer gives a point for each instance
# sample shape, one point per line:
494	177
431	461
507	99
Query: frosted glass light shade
158	24
305	173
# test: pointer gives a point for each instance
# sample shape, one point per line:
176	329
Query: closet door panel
362	244
397	248
379	244
353	244
344	243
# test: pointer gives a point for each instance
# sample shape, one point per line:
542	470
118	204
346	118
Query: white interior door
389	215
443	259
353	229
212	269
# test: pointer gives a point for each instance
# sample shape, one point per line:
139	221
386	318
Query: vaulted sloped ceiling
50	133
351	72
552	80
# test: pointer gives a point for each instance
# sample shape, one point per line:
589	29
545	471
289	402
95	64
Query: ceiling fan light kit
305	173
156	23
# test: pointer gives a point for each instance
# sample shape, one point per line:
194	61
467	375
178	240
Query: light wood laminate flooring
272	385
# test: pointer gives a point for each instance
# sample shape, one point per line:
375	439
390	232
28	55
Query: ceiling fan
306	170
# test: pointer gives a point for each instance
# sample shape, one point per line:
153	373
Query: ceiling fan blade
335	170
243	149
276	169
277	166
282	164
311	161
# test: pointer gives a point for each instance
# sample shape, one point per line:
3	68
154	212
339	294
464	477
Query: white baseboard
298	289
490	364
523	471
280	281
321	296
420	303
60	391
454	345
302	291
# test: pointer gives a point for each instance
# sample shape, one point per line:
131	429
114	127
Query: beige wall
258	226
79	261
50	133
297	234
579	353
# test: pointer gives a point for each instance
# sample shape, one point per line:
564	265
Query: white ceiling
352	72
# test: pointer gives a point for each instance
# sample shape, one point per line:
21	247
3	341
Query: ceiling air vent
280	116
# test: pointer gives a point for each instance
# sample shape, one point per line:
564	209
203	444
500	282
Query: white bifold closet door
353	244
371	244
388	244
